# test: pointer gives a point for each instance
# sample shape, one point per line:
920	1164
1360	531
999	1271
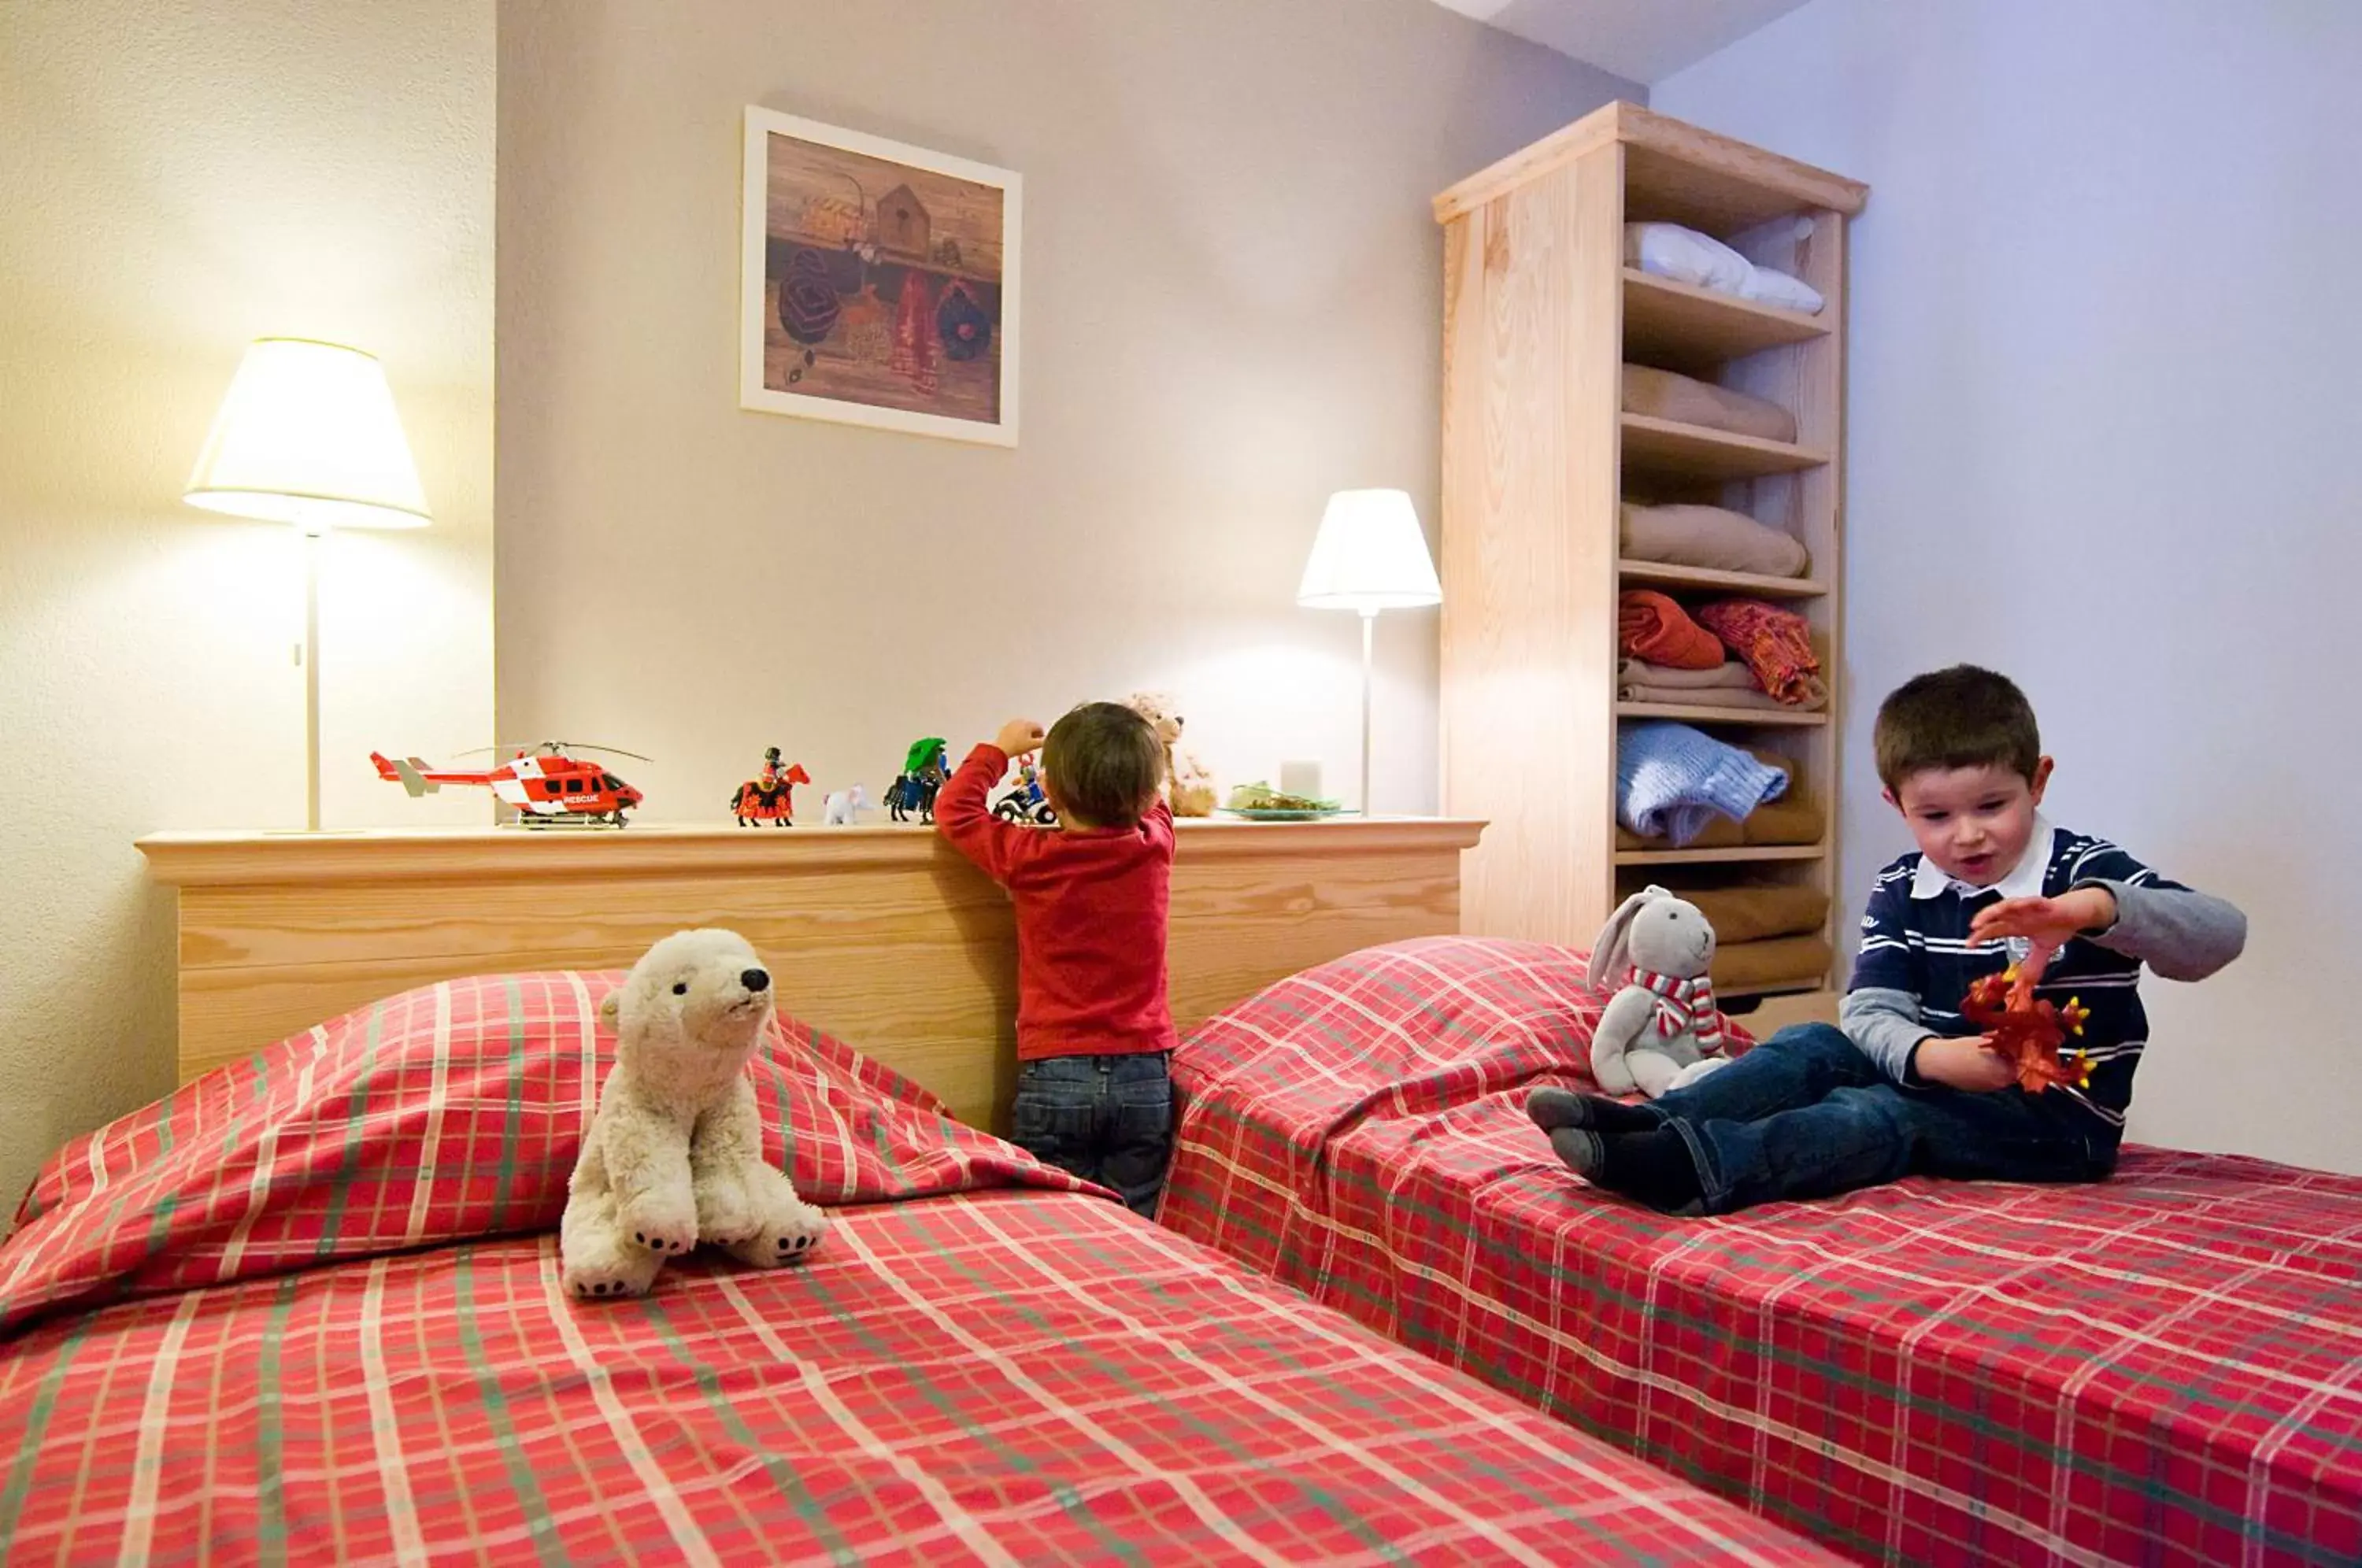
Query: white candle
1301	778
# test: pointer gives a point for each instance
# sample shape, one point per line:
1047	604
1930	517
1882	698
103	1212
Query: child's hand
2050	922
1963	1062
1019	736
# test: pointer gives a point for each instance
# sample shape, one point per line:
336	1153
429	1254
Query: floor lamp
1369	555
308	435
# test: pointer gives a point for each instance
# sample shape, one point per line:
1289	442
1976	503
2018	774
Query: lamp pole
1369	625
311	658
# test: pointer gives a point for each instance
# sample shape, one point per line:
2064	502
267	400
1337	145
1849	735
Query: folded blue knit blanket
1669	779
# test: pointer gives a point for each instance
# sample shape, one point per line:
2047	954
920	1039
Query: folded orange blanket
1653	627
1775	644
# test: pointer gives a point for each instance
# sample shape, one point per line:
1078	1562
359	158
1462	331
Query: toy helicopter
542	782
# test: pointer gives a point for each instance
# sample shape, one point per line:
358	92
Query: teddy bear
675	1153
1662	1030
1189	788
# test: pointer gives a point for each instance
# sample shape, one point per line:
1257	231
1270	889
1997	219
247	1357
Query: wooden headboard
881	935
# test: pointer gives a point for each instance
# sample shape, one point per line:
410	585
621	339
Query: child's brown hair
1102	763
1960	717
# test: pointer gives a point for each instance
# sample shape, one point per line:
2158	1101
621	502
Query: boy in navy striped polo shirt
1907	1084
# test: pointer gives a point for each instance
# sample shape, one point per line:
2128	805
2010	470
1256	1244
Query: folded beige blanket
1662	395
1778	962
1728	685
1760	913
1714	538
1729	673
1817	697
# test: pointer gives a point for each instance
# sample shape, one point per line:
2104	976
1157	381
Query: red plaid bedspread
446	1113
1006	1378
2166	1368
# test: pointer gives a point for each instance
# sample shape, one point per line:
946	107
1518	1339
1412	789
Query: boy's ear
1888	796
2041	778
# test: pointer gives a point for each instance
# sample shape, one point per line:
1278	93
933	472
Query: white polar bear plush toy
675	1154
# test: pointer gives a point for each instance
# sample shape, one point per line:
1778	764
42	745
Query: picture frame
878	283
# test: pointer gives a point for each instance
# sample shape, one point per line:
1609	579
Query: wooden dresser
882	935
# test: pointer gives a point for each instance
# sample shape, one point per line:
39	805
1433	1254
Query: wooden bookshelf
1541	313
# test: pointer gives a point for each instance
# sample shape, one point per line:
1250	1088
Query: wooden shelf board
1733	855
1691	451
1702	713
1756	583
1687	327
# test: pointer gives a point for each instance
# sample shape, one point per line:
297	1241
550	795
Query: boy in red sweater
1094	1034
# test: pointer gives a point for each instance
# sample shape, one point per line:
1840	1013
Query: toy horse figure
771	798
913	791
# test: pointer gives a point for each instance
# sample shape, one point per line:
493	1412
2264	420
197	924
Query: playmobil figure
925	768
770	796
1023	800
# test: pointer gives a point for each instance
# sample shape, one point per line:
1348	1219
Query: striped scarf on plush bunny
1684	1004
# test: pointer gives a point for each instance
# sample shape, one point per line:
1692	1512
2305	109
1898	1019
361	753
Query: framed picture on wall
878	283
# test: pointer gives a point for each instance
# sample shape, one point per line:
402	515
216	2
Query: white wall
2102	424
1232	304
178	177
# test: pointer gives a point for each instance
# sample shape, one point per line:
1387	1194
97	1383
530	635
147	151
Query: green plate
1271	814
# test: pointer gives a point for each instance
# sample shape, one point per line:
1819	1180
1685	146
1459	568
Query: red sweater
1091	906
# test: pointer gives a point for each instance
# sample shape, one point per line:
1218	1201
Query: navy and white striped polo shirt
1915	939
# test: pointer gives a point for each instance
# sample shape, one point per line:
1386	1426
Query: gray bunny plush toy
1662	1030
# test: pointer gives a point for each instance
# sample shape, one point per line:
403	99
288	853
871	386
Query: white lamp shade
1369	555
308	435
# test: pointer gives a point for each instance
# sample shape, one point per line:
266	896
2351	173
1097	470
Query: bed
307	1307
2166	1368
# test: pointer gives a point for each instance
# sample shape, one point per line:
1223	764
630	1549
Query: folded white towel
1670	251
1766	287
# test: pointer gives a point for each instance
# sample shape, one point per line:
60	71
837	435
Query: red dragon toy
2029	1032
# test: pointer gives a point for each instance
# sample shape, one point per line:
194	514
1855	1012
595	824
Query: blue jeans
1806	1114
1106	1119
